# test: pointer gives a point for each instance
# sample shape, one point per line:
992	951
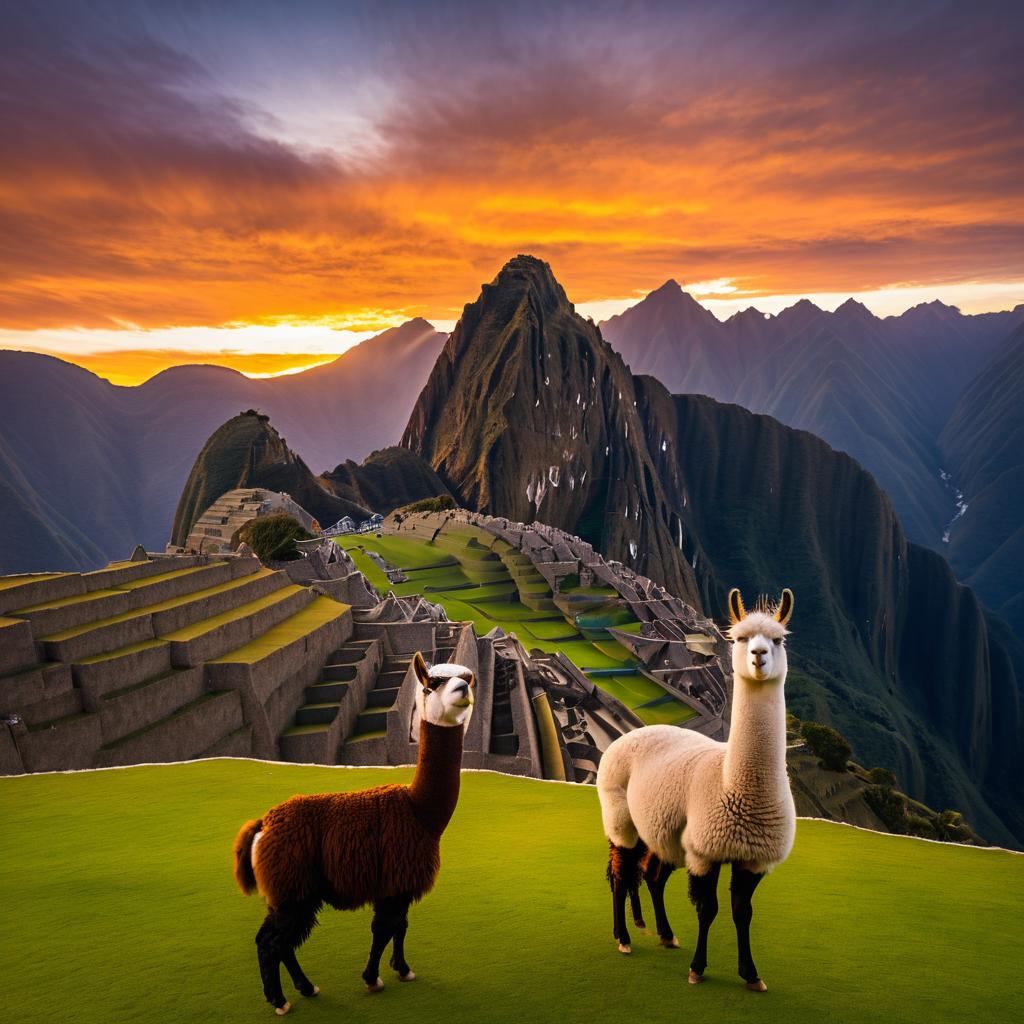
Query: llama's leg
283	929
704	896
398	961
742	887
295	921
657	874
268	949
387	913
623	874
635	908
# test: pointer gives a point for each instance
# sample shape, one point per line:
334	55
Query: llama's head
445	692
759	637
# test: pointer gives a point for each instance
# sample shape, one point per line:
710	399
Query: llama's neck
435	786
755	757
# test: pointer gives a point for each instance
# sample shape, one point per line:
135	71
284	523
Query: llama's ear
736	610
422	672
785	609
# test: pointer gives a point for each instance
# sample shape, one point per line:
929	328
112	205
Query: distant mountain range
880	389
88	469
893	392
529	413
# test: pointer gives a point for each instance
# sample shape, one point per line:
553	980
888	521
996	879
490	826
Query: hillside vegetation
119	905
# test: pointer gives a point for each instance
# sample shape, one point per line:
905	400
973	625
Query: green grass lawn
119	906
456	586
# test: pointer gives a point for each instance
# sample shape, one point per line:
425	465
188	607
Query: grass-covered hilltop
119	905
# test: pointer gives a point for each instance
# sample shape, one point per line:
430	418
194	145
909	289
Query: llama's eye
778	641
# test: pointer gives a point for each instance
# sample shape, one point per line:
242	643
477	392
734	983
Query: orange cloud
837	155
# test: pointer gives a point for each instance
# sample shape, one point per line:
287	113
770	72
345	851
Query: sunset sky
262	185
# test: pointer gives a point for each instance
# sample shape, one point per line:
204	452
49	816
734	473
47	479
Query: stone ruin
679	649
175	657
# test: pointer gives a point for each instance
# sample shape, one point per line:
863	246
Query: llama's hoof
377	986
639	922
314	991
623	948
757	986
670	943
694	978
411	976
282	1010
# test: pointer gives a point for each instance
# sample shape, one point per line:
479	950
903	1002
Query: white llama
671	796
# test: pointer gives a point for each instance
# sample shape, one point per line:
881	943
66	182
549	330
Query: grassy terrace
119	905
318	612
471	582
162	606
239	612
28	577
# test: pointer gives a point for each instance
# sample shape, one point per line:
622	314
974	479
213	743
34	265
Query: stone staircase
503	739
169	658
332	703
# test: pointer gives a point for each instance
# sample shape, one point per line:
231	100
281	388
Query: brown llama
379	846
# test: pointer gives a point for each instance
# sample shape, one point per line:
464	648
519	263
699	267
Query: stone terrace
675	646
177	657
160	659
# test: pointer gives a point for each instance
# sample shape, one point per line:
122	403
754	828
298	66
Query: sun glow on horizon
129	355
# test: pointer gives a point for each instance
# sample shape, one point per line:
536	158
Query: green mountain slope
101	918
530	414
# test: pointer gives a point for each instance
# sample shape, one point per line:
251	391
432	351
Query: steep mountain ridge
248	452
530	414
521	417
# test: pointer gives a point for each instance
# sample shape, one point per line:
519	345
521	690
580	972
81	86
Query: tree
889	807
882	777
273	538
827	745
441	503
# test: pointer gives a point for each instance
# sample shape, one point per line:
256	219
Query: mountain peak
931	309
672	302
525	275
669	287
750	314
800	314
852	307
417	323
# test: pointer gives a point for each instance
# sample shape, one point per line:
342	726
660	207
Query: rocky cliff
530	414
248	452
983	448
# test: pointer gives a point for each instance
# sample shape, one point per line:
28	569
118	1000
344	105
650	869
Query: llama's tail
244	875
